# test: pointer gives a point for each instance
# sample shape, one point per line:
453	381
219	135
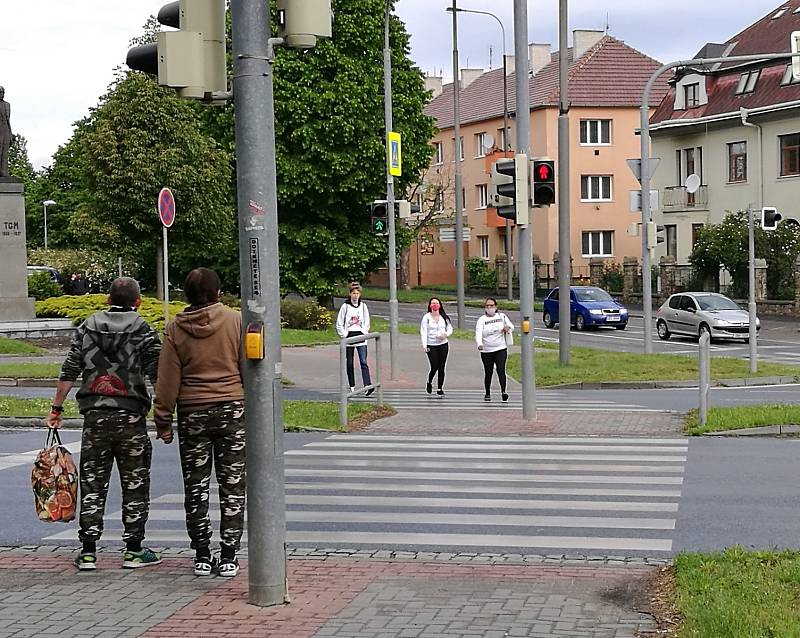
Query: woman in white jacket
434	329
353	320
491	334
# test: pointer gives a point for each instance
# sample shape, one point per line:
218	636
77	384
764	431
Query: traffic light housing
654	235
379	217
502	194
192	59
301	22
770	218
543	178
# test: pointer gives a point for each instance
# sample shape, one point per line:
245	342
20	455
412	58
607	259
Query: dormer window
780	12
747	82
691	95
788	76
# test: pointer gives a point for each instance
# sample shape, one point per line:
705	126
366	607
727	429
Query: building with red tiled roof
606	80
734	125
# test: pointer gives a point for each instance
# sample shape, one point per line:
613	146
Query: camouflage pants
217	434
108	436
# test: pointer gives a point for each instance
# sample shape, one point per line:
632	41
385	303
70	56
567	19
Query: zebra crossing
472	399
594	496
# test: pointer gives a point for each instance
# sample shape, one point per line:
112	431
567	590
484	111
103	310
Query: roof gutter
720	117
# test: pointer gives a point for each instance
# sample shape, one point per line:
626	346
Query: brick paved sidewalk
40	593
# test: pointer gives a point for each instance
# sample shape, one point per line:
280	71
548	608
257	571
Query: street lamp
46	203
505	134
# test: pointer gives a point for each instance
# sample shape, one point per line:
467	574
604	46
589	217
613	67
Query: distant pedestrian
434	329
78	284
113	351
352	321
493	334
200	375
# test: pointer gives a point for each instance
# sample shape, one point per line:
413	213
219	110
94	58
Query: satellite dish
488	142
692	183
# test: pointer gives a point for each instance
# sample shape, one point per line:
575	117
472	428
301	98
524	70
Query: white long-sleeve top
352	319
431	330
489	332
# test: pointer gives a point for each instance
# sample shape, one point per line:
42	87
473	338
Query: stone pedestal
15	305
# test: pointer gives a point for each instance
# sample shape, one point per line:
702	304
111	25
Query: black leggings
437	356
490	360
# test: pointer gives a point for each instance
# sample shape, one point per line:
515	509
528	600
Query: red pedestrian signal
543	189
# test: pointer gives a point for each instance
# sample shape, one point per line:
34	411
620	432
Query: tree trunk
405	266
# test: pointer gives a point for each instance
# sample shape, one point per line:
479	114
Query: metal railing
678	198
344	387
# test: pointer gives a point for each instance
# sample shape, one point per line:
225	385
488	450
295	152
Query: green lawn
17	346
589	365
739	594
30	370
745	416
296	414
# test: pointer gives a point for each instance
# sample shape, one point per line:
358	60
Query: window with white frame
483	245
737	162
482	144
438	153
501	138
747	82
596	188
788	76
439	201
689	161
691	95
597	243
483	195
461	148
595	132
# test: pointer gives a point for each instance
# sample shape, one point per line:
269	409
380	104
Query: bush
78	308
41	286
480	275
612	278
304	315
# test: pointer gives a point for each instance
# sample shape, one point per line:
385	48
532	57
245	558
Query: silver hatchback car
692	313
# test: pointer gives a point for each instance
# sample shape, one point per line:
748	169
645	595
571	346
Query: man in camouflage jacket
113	351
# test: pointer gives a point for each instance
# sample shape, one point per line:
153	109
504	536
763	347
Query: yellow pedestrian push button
254	341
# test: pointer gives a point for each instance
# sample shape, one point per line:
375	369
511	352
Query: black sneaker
205	565
429	387
369	392
440	392
86	561
487	398
228	567
504	396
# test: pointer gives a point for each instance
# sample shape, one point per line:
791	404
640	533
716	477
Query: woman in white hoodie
353	320
492	334
434	329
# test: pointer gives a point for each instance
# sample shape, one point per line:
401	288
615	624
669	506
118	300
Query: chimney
509	64
538	57
434	84
468	76
583	40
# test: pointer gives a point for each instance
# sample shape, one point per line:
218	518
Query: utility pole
751	295
458	186
564	251
394	331
525	232
257	202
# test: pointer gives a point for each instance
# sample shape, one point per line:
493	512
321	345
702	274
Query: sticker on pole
395	154
166	207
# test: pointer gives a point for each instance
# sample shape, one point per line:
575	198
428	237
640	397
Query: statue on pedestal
5	133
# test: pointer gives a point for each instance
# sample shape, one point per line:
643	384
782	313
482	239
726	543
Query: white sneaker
352	389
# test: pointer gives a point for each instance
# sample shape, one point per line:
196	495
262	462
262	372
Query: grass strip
594	366
296	414
17	346
739	594
30	370
743	416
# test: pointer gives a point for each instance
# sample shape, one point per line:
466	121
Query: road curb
765	431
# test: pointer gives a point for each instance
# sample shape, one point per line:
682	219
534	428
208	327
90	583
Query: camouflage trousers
214	434
109	436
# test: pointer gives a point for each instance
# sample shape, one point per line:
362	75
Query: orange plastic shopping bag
54	479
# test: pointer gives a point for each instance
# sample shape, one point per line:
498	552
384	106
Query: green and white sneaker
86	561
144	558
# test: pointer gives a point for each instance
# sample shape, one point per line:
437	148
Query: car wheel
548	320
705	329
663	331
621	326
580	322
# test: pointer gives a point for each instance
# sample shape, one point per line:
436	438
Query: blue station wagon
589	307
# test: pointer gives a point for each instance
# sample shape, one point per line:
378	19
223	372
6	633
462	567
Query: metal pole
394	331
704	360
378	375
458	186
45	226
165	273
119	266
751	301
564	251
644	116
524	233
344	390
259	276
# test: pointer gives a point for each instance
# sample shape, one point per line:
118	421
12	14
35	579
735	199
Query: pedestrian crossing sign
395	155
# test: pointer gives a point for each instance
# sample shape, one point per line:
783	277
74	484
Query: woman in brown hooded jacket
199	374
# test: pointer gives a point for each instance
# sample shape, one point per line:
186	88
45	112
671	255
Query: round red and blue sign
166	207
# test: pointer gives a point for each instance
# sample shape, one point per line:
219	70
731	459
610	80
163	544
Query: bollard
704	360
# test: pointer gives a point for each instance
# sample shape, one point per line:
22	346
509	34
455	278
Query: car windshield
716	302
592	294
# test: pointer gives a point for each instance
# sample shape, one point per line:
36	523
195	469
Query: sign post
166	212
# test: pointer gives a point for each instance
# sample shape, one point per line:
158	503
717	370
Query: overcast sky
57	57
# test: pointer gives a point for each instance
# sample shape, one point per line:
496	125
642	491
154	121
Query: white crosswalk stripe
530	495
472	399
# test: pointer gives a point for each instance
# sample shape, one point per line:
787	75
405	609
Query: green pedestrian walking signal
380	221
